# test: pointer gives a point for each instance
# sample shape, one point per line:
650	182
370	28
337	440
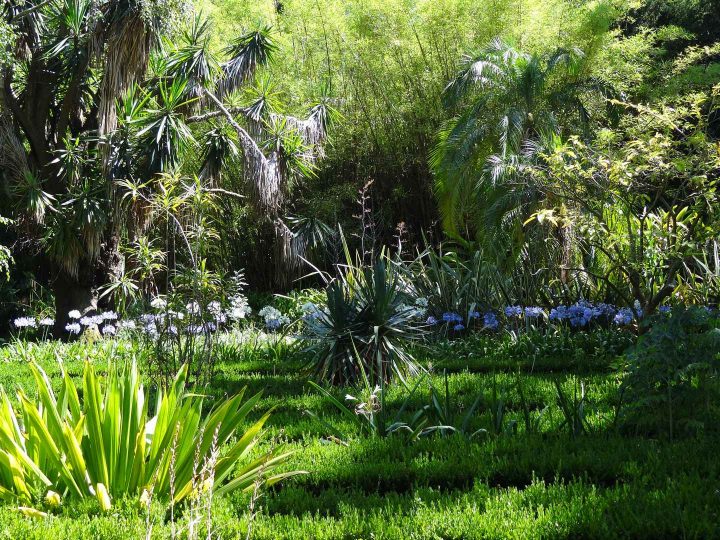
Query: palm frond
245	55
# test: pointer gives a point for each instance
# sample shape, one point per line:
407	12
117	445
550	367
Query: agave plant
364	328
111	444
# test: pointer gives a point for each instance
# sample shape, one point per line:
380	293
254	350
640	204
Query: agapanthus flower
109	330
474	315
450	317
559	313
193	308
195	329
432	321
25	322
623	317
73	328
109	316
490	320
273	318
74	314
513	311
91	320
458	327
664	309
47	321
534	312
127	325
239	308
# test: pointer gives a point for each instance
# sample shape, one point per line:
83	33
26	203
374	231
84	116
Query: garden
359	269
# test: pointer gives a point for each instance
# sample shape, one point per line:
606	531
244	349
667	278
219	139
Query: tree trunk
72	293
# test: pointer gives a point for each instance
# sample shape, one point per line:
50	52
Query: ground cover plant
509	461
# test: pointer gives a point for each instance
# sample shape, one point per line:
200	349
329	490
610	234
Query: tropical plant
115	442
643	199
671	374
363	328
511	105
70	139
451	282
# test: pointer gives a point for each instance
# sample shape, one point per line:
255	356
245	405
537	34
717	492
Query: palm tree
78	117
510	107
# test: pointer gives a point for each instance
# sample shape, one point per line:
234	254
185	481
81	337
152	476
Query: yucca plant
111	444
364	328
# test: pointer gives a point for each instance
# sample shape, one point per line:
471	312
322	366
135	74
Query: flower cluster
582	313
534	312
273	318
25	322
239	308
490	321
451	317
311	312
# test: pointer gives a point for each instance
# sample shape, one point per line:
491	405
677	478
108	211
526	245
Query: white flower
25	322
109	316
74	314
47	321
127	325
109	330
239	308
73	328
193	308
214	307
273	318
91	320
158	303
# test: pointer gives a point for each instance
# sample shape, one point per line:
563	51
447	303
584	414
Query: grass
544	484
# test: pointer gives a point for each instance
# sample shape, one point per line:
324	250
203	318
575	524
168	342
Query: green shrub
672	372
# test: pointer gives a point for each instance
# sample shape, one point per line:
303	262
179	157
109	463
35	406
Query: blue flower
559	313
513	311
432	321
450	317
474	315
664	309
490	320
623	317
534	312
458	327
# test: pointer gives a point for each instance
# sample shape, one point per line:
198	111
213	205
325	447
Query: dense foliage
468	251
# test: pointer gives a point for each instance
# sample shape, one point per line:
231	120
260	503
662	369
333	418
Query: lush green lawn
522	485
